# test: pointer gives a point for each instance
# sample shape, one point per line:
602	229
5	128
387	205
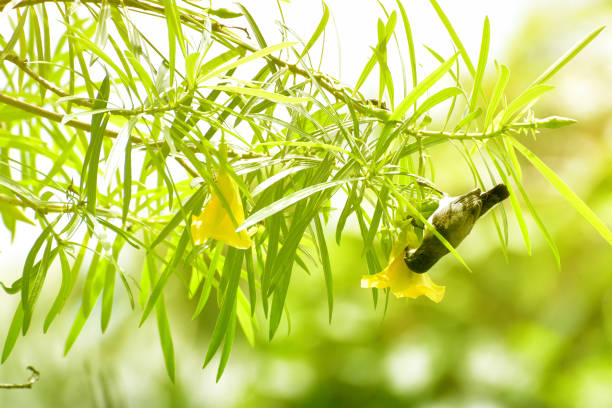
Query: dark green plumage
454	220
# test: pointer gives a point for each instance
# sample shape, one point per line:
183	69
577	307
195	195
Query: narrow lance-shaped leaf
500	86
434	100
567	57
318	31
161	282
232	267
13	333
482	63
524	101
565	191
40	273
17	32
68	279
209	277
29	272
252	57
259	93
195	200
421	88
256	31
454	37
326	264
97	279
410	42
287	201
227	344
98	126
165	337
107	296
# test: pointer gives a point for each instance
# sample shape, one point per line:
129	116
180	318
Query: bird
453	219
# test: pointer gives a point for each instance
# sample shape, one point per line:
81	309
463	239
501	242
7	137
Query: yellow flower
216	222
400	279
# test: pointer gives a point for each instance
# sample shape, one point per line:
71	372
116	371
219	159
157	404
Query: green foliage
162	125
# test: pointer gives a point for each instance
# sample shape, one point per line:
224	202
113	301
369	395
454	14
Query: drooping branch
220	30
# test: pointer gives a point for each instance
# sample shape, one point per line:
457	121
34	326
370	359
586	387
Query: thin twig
45	207
33	380
47	114
23	65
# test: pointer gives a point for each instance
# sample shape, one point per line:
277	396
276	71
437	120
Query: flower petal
403	282
216	222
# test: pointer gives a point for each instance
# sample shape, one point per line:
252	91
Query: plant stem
33	379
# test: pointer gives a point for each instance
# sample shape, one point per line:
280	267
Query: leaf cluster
112	142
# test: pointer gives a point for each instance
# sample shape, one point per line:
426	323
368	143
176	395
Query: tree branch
23	65
33	379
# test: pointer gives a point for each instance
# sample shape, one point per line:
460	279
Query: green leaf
325	262
13	289
94	274
117	151
540	223
194	201
97	282
281	175
468	119
231	269
223	13
175	33
209	277
256	31
245	317
227	344
17	33
127	181
434	100
13	332
250	267
567	57
40	273
516	207
349	206
68	279
289	200
170	269
500	86
11	214
165	336
30	270
410	42
454	37
524	101
280	294
259	93
318	31
98	126
482	63
252	57
421	88
367	69
565	191
107	296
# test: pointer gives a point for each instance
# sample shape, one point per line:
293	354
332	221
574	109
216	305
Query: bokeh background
518	332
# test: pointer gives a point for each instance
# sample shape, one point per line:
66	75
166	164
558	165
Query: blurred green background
515	333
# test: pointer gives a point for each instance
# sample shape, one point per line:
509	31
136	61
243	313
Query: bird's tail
493	196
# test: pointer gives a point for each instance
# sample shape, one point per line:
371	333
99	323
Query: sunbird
453	219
